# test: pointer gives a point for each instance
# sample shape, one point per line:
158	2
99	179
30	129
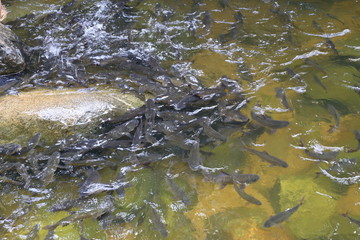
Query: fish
207	22
5	179
267	157
327	156
332	110
280	93
268	121
177	191
21	169
78	215
353	220
158	223
239	188
224	3
212	133
239	18
293	74
34	232
91	162
9	149
9	84
47	174
221	178
244	178
318	81
66	205
317	26
314	64
122	129
331	45
33	142
281	217
195	160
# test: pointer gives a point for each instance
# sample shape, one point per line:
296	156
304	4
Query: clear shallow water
256	53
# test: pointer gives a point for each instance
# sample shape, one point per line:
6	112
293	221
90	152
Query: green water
268	42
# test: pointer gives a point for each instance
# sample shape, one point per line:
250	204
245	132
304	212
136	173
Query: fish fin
346	214
302	200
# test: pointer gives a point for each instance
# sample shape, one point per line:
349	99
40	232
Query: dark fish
293	74
314	64
91	162
224	3
21	169
239	18
244	71
221	178
33	142
332	110
280	93
33	159
9	148
331	45
335	18
79	215
244	178
7	85
317	26
34	233
122	129
212	133
66	205
47	174
233	116
267	157
318	81
234	34
280	217
180	117
195	160
353	220
177	191
239	188
5	179
207	22
268	121
327	156
158	223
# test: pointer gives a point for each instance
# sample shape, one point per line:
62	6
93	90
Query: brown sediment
3	12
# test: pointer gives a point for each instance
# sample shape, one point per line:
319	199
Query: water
104	43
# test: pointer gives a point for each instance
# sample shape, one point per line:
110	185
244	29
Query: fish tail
346	214
302	200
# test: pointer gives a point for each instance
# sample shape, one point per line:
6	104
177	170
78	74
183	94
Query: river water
309	49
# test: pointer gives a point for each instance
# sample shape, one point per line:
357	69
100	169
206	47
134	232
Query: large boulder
59	113
11	57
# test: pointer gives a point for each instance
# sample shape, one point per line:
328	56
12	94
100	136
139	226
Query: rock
59	113
311	221
11	57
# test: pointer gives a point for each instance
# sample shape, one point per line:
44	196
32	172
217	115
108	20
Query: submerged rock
11	57
54	113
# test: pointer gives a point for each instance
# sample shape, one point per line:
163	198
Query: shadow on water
250	114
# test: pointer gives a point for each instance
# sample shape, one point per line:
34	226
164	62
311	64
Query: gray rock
11	57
